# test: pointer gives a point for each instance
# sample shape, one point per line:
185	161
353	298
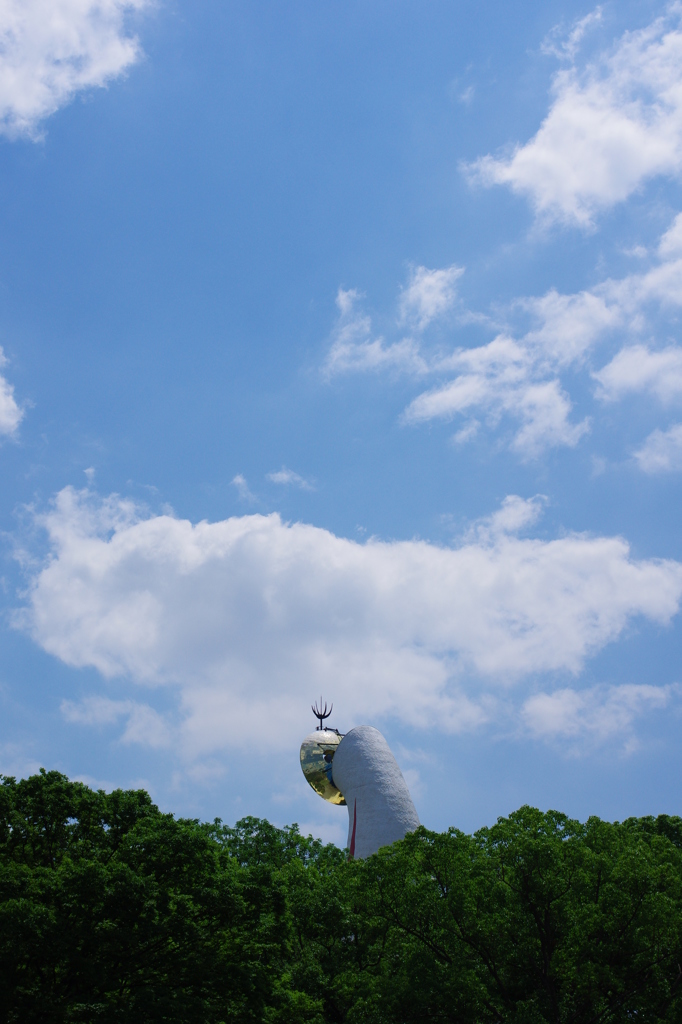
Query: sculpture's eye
317	754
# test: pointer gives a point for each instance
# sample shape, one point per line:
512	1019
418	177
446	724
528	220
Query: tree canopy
113	911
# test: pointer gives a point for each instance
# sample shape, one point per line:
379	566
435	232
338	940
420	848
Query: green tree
538	918
111	911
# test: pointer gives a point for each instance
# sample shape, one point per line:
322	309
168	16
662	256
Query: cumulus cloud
662	451
246	617
10	413
593	715
429	294
52	49
612	125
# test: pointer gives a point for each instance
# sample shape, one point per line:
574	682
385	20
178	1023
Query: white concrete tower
359	770
380	808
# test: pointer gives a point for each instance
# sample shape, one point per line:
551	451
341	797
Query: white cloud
597	714
670	244
501	380
568	325
505	377
95	710
662	284
10	413
509	376
662	451
243	489
544	411
637	252
354	349
466	433
519	375
52	49
611	126
514	515
246	617
637	368
429	294
287	476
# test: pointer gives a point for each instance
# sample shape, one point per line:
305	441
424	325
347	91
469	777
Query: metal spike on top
321	715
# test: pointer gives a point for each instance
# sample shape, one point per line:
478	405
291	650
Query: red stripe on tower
355	821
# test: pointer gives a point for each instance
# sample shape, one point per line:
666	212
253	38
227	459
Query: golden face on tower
317	754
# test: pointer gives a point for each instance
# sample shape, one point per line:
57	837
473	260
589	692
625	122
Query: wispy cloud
612	125
565	45
10	412
287	477
637	368
466	433
514	515
595	715
143	724
243	489
354	349
662	451
670	245
498	378
52	49
519	377
429	294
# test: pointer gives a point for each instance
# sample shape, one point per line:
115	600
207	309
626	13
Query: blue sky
341	356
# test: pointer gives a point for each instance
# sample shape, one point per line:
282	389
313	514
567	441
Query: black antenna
321	714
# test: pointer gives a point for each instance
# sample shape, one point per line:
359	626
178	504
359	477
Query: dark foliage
111	911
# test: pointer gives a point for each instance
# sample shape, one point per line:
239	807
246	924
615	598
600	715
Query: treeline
111	911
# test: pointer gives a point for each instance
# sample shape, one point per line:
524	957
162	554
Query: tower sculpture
358	770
